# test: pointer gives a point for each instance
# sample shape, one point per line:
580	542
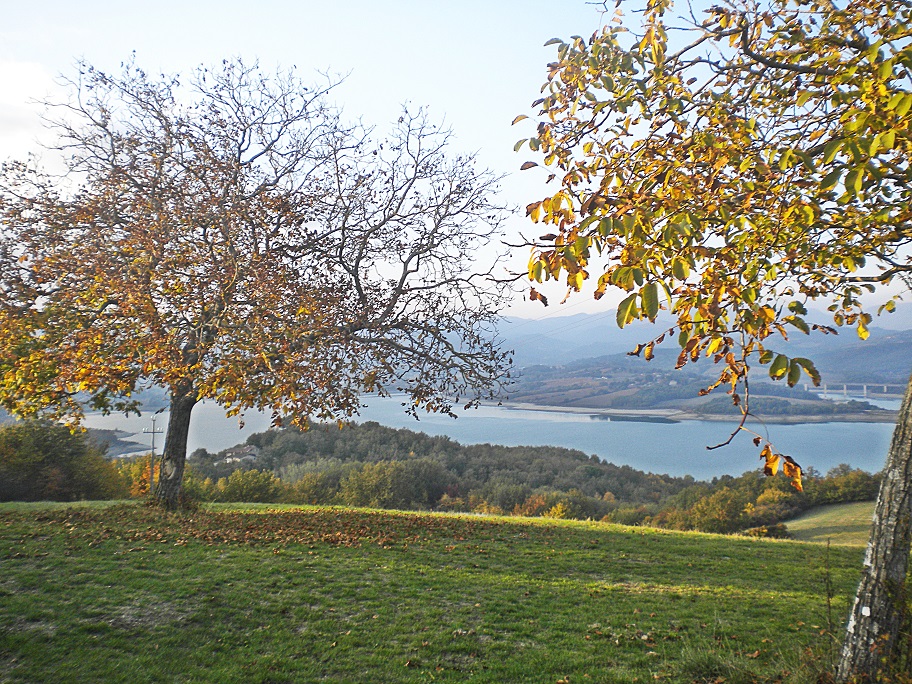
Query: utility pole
152	432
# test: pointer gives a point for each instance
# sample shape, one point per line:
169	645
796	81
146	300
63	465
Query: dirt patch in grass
44	627
147	615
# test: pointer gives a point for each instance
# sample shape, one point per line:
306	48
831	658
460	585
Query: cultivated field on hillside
848	523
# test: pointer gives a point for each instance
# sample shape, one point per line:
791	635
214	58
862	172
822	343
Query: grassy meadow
127	593
848	523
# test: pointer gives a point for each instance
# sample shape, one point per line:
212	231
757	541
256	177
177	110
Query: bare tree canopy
230	238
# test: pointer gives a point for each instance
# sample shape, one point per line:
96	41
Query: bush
778	531
135	472
416	483
43	461
249	486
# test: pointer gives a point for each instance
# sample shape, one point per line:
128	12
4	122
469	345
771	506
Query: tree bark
174	455
880	603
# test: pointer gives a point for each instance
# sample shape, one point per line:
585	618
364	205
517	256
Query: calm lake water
673	448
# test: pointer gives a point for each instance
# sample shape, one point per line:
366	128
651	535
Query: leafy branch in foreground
754	163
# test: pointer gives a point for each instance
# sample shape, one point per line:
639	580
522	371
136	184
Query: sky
473	64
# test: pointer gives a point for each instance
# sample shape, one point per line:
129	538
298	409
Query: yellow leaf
771	467
792	470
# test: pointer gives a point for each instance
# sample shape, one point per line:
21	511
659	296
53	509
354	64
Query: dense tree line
378	467
372	465
375	466
616	382
752	502
770	406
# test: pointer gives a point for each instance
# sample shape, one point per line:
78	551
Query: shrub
778	531
43	461
249	486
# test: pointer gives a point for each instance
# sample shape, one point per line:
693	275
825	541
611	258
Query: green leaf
853	181
874	146
650	297
519	118
806	159
794	374
785	160
766	356
800	324
519	144
623	277
831	149
809	368
680	268
888	140
553	41
779	367
904	105
831	179
627	310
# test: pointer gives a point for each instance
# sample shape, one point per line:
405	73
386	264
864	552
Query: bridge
856	389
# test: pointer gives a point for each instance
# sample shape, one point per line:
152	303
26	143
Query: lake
672	448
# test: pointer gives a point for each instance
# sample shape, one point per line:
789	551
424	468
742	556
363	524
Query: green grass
848	524
131	594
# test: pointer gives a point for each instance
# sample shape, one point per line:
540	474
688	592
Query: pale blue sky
472	63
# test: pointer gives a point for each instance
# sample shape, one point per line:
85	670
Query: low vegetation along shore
294	594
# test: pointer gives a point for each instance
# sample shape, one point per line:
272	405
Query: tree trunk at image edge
174	455
880	603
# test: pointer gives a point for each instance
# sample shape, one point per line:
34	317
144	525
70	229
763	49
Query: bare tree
233	240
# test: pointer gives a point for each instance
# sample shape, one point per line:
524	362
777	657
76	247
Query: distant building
239	454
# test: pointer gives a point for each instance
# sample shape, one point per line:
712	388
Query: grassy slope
848	523
130	594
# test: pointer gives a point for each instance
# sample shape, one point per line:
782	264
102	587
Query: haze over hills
560	340
581	362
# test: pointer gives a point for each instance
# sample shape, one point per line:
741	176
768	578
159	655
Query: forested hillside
375	466
372	465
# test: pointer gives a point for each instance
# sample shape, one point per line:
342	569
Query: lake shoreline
679	415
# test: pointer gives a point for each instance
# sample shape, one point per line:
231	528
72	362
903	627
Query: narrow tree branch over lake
229	237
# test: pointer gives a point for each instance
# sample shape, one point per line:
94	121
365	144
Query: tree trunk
174	456
880	603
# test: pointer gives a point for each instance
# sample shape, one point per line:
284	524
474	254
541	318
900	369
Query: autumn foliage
733	165
229	237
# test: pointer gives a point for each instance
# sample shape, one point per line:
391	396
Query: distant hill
886	357
563	339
